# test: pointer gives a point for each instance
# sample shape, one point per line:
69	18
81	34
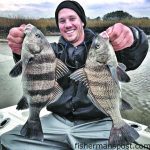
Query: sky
93	8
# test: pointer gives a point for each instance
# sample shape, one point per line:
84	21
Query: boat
10	117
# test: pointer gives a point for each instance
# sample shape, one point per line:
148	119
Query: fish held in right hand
40	70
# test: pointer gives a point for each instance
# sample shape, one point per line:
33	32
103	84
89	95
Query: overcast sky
93	8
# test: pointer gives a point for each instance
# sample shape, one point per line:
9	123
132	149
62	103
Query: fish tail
22	104
123	136
32	129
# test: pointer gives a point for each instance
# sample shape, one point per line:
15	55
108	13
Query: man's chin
70	39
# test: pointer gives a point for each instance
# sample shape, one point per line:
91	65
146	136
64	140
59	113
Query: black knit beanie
74	6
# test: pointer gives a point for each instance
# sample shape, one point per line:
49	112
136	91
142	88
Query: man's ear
82	24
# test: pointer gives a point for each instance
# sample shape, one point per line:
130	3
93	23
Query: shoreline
55	34
3	40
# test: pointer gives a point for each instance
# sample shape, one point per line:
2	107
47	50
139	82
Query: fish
102	75
40	70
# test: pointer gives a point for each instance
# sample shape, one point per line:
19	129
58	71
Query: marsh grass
48	25
100	25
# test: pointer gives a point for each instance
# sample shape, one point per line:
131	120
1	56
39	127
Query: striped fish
40	70
101	75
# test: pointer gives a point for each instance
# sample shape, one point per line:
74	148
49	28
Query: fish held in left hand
40	70
101	75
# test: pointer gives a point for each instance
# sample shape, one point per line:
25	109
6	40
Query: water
137	92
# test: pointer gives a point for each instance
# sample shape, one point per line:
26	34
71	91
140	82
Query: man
75	123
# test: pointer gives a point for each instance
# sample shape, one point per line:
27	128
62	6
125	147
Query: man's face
71	26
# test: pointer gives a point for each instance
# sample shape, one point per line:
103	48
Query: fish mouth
28	28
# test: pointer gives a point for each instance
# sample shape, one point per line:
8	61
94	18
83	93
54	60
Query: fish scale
108	93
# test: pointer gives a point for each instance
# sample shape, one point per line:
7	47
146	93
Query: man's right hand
15	39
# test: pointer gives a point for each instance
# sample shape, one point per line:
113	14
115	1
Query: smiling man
71	26
74	118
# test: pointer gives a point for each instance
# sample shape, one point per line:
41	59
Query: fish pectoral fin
122	75
125	105
113	72
61	69
16	70
122	66
80	75
119	73
57	92
22	104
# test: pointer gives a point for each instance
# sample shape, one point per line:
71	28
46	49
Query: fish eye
37	35
97	46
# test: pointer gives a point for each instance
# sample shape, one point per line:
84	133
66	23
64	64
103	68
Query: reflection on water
137	92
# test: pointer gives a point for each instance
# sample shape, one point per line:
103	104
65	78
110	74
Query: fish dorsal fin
122	75
16	70
61	69
80	75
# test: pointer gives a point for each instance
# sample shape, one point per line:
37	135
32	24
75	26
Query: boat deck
14	117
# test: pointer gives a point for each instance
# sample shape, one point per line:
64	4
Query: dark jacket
74	103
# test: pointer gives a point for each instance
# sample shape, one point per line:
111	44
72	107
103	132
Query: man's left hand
120	36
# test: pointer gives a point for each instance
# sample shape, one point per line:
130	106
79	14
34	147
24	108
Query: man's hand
120	36
15	38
